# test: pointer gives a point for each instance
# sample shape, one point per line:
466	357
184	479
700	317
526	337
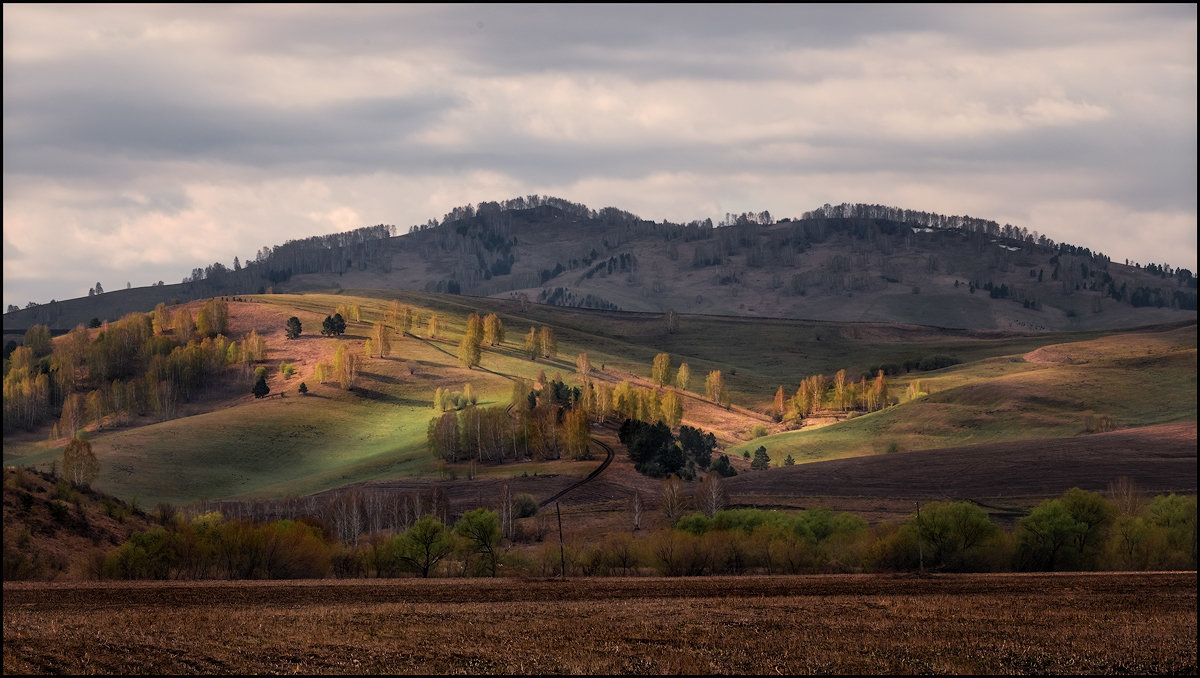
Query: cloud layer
143	141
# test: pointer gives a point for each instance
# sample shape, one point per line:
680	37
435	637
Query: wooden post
561	554
920	547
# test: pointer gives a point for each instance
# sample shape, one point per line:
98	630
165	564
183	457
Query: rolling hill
846	263
1008	387
1017	367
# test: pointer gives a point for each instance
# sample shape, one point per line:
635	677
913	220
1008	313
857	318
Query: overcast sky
142	141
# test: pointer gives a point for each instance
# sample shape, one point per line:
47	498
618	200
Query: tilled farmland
1098	623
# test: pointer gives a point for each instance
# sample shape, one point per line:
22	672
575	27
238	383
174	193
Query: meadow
1101	623
226	444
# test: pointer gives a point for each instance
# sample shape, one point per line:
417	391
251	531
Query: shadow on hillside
382	378
379	396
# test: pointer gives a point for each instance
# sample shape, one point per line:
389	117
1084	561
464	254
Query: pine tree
261	389
762	460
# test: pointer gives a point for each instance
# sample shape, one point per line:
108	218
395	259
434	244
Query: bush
524	505
59	511
722	466
931	362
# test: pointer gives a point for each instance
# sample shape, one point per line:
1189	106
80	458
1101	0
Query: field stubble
1064	623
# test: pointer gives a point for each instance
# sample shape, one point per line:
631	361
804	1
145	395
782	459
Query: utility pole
561	554
920	547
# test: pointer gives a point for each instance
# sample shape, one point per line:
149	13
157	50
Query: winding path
608	451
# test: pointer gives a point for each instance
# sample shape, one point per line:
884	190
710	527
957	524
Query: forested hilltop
848	262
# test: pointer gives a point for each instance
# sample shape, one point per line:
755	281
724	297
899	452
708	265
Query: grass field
1103	623
1137	379
226	444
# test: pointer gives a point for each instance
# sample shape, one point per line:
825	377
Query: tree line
1078	530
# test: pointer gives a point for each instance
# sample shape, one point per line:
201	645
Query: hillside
223	443
50	527
848	263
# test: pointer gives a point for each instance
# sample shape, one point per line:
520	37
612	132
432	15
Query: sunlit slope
1010	386
1134	379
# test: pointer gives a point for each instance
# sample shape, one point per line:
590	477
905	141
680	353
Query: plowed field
1001	624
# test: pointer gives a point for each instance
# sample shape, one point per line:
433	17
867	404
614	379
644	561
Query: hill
49	526
846	263
1003	418
220	442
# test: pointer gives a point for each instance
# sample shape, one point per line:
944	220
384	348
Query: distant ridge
847	262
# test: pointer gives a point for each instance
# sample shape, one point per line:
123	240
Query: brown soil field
1157	459
1006	478
1101	623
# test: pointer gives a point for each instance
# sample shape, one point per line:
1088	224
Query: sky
143	141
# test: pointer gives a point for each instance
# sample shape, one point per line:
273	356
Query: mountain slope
850	263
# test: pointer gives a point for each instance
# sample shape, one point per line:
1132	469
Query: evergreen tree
261	389
761	461
293	328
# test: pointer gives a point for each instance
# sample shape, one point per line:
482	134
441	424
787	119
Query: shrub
59	511
524	505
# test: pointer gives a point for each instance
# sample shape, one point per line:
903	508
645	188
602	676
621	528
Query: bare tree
1126	497
710	495
636	506
347	515
79	463
506	511
438	503
672	499
672	321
